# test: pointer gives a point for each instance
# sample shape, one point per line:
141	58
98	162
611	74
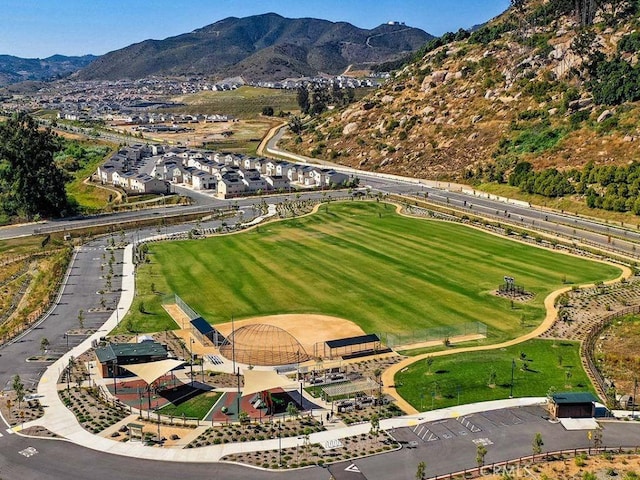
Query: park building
114	356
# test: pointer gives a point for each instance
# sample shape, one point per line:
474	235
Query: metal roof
347	342
116	350
573	397
201	325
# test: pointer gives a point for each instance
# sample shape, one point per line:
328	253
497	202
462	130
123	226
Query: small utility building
115	355
573	405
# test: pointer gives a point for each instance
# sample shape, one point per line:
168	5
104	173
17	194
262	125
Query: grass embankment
486	375
196	407
363	262
80	160
28	280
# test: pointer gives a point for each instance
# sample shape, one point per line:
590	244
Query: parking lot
478	427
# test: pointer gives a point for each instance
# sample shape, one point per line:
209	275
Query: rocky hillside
261	47
16	69
550	82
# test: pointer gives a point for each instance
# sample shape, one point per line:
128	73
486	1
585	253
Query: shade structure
349	388
151	371
256	381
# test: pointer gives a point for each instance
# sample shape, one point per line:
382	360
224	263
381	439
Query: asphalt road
454	449
62	460
79	291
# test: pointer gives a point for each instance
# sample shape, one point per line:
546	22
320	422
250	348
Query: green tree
302	97
421	471
429	362
267	111
81	318
44	344
537	444
481	452
295	124
30	182
18	388
292	411
375	423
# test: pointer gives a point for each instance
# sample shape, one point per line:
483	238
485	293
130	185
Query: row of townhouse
150	169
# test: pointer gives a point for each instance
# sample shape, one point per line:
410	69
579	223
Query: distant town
109	100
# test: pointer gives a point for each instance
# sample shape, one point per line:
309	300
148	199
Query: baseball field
363	262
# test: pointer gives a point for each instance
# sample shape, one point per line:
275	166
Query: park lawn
196	407
548	362
363	262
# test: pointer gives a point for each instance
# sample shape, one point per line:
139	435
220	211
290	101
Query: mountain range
260	47
543	85
16	69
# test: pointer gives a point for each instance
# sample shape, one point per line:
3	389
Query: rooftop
117	350
573	397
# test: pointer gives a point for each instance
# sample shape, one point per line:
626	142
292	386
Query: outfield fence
394	340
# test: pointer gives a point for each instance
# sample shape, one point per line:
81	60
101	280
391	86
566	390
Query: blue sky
40	28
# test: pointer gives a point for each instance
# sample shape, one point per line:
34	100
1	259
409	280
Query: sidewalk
60	420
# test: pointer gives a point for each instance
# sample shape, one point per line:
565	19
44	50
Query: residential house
230	186
283	168
270	168
277	182
203	181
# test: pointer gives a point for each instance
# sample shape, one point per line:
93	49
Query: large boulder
350	128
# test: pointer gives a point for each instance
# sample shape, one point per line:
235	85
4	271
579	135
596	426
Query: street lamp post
280	443
158	412
115	370
238	395
633	403
191	359
513	367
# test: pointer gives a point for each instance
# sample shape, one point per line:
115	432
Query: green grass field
196	407
245	102
360	261
470	373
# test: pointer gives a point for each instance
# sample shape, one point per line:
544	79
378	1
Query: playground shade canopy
256	381
151	371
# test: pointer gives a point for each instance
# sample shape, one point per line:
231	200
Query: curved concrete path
60	420
388	376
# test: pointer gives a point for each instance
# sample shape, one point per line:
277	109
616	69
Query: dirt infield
307	329
178	315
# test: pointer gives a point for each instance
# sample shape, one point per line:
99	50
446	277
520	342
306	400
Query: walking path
549	303
60	420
